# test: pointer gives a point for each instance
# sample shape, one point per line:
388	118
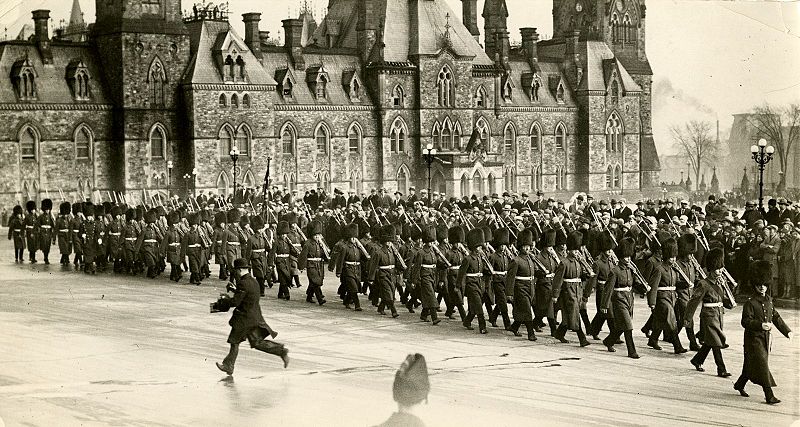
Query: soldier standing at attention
63	233
16	231
114	238
312	259
172	247
31	230
567	289
130	237
47	235
91	237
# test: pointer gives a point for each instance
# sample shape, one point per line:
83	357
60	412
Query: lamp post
762	154
186	178
169	178
235	158
194	182
156	178
429	154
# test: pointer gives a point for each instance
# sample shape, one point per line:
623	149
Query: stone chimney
252	36
503	47
40	19
529	39
293	37
470	17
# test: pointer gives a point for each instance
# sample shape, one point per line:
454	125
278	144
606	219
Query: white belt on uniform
234	243
196	245
64	230
175	244
314	259
76	231
115	234
666	288
259	250
428	265
474	274
282	255
712	304
499	273
455	267
601	282
572	280
524	278
130	239
151	241
352	262
628	289
46	226
386	267
28	226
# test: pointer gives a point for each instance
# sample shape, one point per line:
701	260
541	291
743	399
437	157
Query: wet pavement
118	350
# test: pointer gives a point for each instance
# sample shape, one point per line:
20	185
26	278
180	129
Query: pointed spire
76	16
714	182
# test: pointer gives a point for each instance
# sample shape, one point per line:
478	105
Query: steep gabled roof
600	62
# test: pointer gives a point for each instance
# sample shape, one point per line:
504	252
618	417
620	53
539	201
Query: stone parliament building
348	103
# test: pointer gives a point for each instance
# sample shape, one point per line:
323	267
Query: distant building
346	103
744	135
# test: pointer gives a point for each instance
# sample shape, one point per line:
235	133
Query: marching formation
541	257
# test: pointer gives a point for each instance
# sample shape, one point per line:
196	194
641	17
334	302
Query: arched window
289	182
614	91
436	136
355	181
322	136
323	180
246	101
444	85
287	88
222	184
356	90
615	28
535	86
402	179
477	183
457	137
510	179
79	81
464	185
610	177
249	180
225	138
83	143
158	142
157	79
398	97
627	31
288	138
397	136
228	69
560	93
354	138
235	101
447	135
613	133
223	100
618	177
481	98
561	176
536	178
321	90
240	69
561	136
536	137
490	184
509	138
28	141
484	134
243	136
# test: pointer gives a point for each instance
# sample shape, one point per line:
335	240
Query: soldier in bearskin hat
383	269
31	223
455	256
315	252
617	302
662	297
130	236
232	238
408	252
76	239
470	276
47	235
63	232
91	238
172	247
258	251
280	255
424	275
116	229
687	247
16	231
220	229
568	287
194	244
606	260
147	245
520	278
543	297
348	266
500	260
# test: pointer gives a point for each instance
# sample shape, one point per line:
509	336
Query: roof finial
447	27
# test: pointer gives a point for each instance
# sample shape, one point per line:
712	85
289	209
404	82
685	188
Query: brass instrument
397	255
697	267
440	255
361	248
584	263
637	274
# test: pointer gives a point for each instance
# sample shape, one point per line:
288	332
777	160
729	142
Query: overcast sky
710	59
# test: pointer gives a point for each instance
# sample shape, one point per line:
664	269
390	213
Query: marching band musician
710	294
455	290
232	238
193	246
383	270
470	277
115	240
543	295
311	259
46	235
617	302
424	275
91	238
63	232
520	277
567	289
130	236
206	231
348	267
409	251
441	273
488	292
500	260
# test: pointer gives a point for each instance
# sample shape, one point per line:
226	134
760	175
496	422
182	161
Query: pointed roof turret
76	16
714	182
76	29
744	187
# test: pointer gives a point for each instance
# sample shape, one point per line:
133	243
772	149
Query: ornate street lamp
429	154
235	157
186	178
762	154
169	178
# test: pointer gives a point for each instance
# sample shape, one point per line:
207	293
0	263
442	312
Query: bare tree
780	126
696	141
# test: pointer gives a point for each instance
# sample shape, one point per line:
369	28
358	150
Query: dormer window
398	97
286	83
352	85
78	79
507	90
614	91
24	78
287	89
560	93
317	79
321	89
480	98
233	71
535	86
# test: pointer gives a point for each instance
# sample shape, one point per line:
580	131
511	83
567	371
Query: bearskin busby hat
626	248
47	205
501	237
150	216
77	208
415	232
455	234
140	213
687	245
669	249
194	218
525	238
315	227
233	216
116	211
64	208
351	231
550	238
256	222
411	384
475	238
429	234
88	209
244	220
107	207
283	227
30	206
220	218
605	242
160	211
291	218
715	259
574	241
173	218
205	215
441	233
561	238
387	233
99	210
130	214
488	236
760	273
17	210
374	230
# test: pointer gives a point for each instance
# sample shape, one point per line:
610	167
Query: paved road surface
110	350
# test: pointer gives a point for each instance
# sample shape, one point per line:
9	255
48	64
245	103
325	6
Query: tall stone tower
144	49
495	24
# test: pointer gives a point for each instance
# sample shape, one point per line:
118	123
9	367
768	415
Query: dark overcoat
755	311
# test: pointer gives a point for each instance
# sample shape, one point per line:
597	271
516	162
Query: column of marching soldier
544	261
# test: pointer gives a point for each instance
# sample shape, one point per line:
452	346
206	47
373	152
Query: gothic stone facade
151	99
